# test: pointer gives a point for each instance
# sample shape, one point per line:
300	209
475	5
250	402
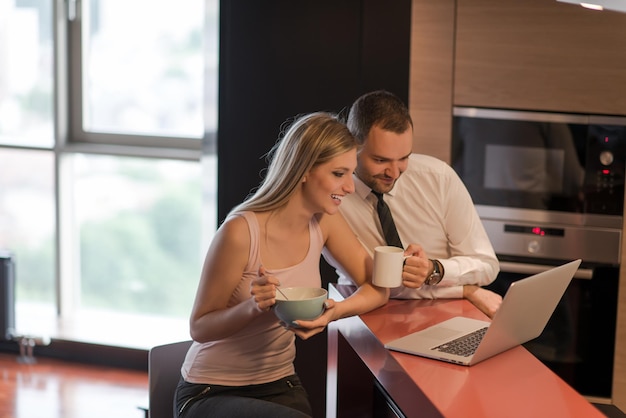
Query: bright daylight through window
107	203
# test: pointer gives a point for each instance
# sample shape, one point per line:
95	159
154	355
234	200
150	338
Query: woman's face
326	184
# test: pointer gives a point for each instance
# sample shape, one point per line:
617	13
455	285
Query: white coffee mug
388	264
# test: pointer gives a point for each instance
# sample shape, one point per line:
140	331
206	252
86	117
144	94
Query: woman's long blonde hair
310	140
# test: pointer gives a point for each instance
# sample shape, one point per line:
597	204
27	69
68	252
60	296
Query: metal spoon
281	292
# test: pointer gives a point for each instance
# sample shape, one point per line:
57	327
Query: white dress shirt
431	207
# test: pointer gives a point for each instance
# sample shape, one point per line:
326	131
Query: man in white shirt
437	223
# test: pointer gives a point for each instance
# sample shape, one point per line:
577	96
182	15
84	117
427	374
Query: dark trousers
284	398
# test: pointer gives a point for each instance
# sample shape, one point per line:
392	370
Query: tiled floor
55	389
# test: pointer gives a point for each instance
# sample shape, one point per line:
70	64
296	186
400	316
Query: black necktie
386	221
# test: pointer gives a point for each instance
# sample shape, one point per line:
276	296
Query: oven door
578	341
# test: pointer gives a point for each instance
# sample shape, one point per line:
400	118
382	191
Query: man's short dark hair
378	108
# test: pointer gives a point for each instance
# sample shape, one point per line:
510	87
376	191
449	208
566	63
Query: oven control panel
567	242
604	169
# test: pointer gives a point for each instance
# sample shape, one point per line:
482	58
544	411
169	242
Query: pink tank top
263	351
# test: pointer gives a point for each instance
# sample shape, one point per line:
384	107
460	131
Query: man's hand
485	300
417	267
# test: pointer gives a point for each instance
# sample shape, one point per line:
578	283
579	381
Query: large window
104	202
142	67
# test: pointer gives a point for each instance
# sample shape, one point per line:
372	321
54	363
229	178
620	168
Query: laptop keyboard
465	345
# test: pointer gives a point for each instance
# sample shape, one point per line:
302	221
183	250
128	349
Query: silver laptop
522	316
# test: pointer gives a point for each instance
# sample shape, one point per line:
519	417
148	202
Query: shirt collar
364	190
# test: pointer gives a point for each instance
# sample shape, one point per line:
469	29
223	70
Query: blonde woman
241	361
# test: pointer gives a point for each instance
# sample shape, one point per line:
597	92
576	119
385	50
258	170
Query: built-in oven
549	188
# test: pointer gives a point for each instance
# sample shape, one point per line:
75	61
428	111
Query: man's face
383	158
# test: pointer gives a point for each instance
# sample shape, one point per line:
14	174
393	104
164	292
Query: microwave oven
546	185
541	161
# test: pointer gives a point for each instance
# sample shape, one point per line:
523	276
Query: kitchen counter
365	379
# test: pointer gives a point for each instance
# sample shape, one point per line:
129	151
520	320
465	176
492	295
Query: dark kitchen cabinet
283	58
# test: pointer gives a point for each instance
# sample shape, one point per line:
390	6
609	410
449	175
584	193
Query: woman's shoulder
236	221
236	228
231	241
328	224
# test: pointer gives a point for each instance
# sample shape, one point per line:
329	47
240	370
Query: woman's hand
263	289
307	329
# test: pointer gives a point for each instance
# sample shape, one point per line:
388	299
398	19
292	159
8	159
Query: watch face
434	278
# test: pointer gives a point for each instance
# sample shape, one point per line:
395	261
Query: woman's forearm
365	299
224	322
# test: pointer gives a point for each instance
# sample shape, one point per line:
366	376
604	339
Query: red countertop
511	384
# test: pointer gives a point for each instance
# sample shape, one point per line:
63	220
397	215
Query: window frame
79	140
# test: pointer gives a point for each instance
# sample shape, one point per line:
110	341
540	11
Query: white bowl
303	303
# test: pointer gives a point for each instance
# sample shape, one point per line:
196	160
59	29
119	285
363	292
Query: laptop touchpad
439	333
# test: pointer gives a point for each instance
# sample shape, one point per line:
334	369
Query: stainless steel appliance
549	188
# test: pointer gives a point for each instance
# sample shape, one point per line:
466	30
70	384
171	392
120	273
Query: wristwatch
436	276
